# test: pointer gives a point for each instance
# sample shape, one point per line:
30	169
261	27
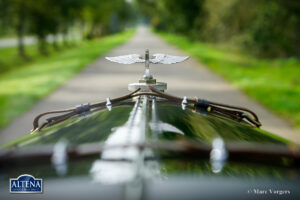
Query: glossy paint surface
162	121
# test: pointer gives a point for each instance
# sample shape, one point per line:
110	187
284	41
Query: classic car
151	145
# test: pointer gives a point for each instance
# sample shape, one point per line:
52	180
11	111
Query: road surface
11	42
103	79
29	40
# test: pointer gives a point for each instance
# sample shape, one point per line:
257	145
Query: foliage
45	17
266	28
175	17
275	31
275	83
45	74
104	17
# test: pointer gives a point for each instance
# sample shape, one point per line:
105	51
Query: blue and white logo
26	183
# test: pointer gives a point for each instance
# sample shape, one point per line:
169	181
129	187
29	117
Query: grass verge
275	83
23	86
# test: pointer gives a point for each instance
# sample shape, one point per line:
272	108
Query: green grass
9	59
28	82
275	83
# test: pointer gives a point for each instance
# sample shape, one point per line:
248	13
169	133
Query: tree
180	17
268	28
14	14
105	17
44	17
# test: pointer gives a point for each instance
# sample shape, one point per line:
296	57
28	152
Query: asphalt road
11	42
103	79
29	40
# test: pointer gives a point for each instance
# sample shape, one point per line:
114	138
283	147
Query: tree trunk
54	42
65	39
21	49
65	36
42	45
20	31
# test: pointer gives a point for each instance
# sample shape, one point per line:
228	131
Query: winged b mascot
156	59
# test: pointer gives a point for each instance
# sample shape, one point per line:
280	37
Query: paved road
105	79
11	42
29	40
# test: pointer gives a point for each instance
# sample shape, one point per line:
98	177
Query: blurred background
254	44
265	28
66	19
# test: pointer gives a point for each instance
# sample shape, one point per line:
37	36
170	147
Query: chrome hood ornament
158	58
147	78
